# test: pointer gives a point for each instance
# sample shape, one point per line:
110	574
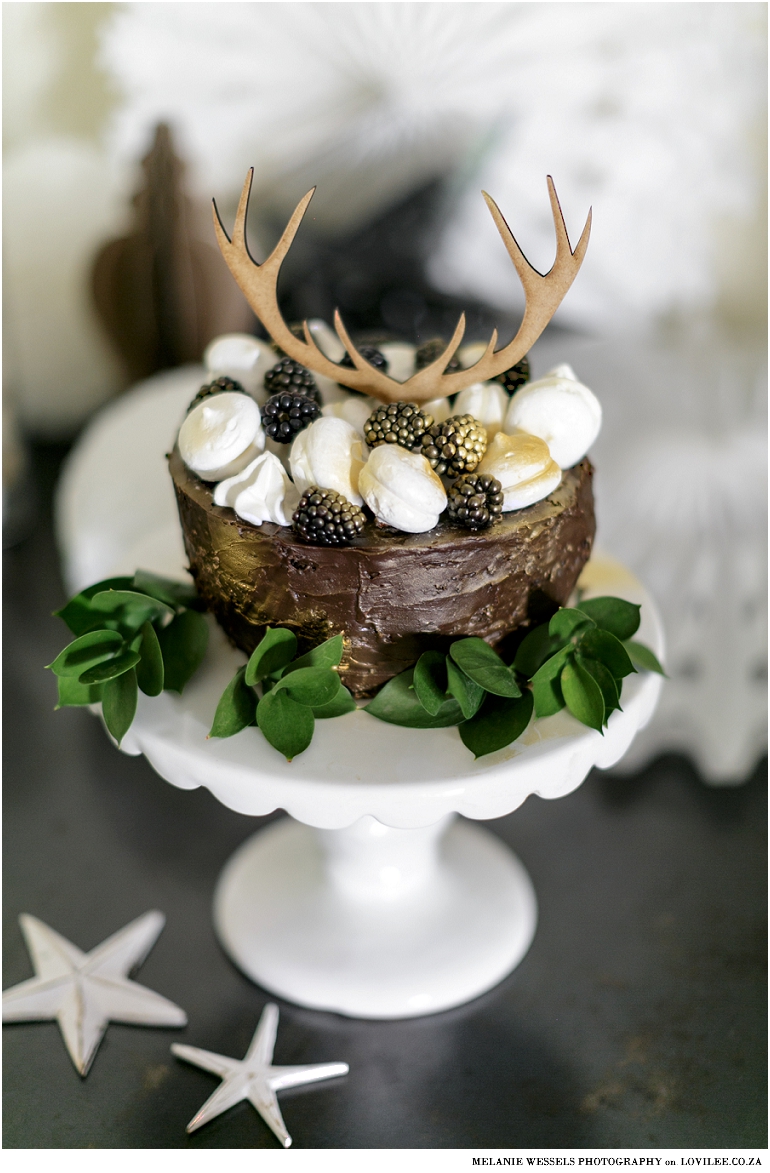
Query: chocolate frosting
392	595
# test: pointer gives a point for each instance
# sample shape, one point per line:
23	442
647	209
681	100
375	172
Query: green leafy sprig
577	660
148	633
141	632
282	694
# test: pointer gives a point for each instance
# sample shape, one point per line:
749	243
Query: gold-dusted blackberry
291	378
223	383
475	501
285	415
430	351
373	356
326	518
397	423
516	376
454	447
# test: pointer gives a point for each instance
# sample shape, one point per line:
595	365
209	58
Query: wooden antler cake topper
543	293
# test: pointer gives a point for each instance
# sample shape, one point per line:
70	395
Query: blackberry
397	423
516	377
291	378
326	518
223	383
456	446
430	351
284	415
475	501
372	355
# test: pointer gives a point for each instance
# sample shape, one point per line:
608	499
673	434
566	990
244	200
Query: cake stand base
372	921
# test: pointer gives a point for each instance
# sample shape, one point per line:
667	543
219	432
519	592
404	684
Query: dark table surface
637	1019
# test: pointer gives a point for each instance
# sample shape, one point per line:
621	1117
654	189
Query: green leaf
310	686
499	721
237	707
617	616
78	613
342	703
129	608
72	692
326	655
606	682
484	666
183	644
149	671
466	692
397	703
566	622
548	696
110	669
275	650
430	681
286	724
582	695
119	704
86	651
551	669
535	649
642	657
601	645
168	590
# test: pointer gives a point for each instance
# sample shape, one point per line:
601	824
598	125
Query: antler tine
563	247
522	265
359	361
439	365
564	251
239	227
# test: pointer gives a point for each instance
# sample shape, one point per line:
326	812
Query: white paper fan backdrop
645	111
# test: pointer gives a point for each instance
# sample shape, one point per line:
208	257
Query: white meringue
261	492
221	435
330	454
523	466
329	344
325	339
559	410
486	402
401	489
242	357
400	356
440	409
355	409
470	353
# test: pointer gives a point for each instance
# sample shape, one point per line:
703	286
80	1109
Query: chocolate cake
393	595
361	528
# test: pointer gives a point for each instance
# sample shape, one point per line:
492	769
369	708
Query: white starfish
254	1078
86	991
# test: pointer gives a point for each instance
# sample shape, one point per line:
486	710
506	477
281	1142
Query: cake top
292	447
393	433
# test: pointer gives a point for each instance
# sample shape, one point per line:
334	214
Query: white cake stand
372	899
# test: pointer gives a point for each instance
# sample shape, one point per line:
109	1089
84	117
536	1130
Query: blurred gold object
543	292
161	293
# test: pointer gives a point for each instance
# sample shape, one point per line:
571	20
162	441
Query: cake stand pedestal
374	921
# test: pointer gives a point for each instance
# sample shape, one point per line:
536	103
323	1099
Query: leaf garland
577	660
148	633
143	632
